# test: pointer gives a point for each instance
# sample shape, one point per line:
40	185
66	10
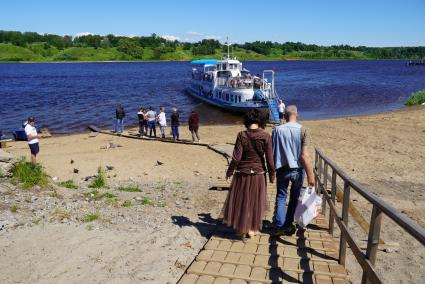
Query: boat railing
326	171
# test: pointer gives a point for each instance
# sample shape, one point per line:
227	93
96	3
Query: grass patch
91	217
97	195
14	208
147	201
99	181
68	184
29	174
60	214
129	189
126	203
2	174
89	227
416	98
53	194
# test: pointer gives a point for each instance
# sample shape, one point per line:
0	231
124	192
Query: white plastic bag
308	206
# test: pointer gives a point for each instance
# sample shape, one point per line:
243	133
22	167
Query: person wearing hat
32	137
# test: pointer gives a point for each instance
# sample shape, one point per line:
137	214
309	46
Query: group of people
149	119
283	156
246	82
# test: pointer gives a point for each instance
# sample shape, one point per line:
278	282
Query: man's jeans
119	125
152	126
175	131
285	175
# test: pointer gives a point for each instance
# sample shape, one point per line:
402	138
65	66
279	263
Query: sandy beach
47	241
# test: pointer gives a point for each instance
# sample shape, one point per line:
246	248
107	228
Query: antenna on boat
228	46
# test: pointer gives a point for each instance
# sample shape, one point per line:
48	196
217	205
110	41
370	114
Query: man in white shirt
32	137
162	121
281	111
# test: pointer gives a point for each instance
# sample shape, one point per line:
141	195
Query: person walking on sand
194	126
291	157
281	111
151	117
162	121
119	115
246	203
141	117
32	137
175	123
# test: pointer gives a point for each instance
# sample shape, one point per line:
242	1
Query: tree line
135	46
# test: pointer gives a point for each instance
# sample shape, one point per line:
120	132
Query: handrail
367	260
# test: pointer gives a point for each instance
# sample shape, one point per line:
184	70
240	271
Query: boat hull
236	107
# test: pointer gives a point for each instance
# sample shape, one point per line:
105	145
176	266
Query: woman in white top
32	137
162	121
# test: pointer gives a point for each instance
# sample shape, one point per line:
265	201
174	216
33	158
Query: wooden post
345	207
325	187
319	173
373	238
333	193
316	166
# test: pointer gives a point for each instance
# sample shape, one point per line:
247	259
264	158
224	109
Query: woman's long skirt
246	203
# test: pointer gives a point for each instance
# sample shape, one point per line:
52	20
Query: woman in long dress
247	203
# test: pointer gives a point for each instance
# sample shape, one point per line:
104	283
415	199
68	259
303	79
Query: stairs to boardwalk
274	110
308	256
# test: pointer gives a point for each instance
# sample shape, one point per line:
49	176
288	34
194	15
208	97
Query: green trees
130	47
205	47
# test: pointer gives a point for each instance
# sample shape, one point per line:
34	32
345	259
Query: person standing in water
162	121
194	126
119	115
246	203
32	137
175	123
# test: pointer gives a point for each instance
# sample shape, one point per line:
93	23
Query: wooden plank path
308	256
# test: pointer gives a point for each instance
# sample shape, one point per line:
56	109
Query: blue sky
361	22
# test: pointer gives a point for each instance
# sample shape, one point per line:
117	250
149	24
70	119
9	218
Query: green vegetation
91	217
99	181
60	214
30	46
68	184
129	189
2	174
14	208
416	98
29	174
126	203
97	195
147	201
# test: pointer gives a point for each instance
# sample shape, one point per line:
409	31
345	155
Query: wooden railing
325	168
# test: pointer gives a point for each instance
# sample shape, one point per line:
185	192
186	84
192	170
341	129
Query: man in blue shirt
292	161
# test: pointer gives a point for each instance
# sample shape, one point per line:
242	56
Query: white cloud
213	37
194	33
170	37
82	34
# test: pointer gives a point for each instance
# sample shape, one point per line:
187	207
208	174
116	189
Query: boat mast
228	46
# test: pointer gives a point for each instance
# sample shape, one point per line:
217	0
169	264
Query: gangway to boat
272	96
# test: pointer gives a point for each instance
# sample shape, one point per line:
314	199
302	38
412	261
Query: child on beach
194	126
32	137
162	121
151	118
119	115
175	123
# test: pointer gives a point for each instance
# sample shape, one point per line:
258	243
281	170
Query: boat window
231	98
227	97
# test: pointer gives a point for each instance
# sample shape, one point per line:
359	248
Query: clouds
194	34
171	37
197	36
83	34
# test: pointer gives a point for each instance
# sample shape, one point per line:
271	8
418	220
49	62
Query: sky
324	22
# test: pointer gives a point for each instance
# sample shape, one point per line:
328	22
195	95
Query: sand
384	152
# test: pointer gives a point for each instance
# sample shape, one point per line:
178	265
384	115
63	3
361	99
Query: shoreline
159	61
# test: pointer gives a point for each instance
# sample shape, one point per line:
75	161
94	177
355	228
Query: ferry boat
226	84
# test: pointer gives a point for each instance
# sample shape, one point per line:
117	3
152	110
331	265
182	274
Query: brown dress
246	202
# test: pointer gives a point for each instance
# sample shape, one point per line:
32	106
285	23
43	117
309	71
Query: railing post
325	187
345	207
333	193
373	238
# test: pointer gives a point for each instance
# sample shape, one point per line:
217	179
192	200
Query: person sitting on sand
151	117
194	126
292	160
246	203
162	121
119	115
141	117
175	123
32	137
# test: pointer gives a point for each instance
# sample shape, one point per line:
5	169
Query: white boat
226	84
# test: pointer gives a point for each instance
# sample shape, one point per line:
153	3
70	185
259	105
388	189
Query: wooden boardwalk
308	256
